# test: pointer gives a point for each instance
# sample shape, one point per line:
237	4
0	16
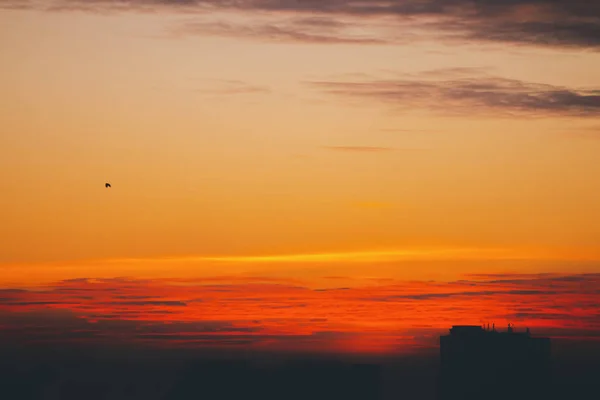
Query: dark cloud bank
555	23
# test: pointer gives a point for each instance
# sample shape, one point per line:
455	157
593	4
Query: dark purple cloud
557	23
477	93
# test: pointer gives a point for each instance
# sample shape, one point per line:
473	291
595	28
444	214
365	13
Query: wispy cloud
232	87
360	149
556	23
302	30
586	133
415	253
407	130
479	93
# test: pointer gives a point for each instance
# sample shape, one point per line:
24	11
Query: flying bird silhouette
107	185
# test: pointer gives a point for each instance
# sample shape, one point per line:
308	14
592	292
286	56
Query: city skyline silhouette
471	361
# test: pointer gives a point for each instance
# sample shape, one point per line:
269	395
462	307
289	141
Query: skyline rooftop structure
483	363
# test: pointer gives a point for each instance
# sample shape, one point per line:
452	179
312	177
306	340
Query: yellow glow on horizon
350	256
444	263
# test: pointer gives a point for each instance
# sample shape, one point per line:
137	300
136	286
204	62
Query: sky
332	175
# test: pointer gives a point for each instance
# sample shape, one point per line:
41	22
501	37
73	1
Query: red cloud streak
270	315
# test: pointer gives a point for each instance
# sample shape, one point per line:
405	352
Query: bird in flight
107	185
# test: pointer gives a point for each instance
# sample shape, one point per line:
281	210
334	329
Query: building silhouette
300	380
482	363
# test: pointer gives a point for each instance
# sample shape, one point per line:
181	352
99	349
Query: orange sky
295	144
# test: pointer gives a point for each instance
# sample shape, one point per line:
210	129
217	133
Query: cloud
370	256
479	93
312	31
404	130
277	315
234	87
541	280
584	133
66	326
481	293
554	23
359	149
150	303
10	303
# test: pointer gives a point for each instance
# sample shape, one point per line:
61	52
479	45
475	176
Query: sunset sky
333	174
